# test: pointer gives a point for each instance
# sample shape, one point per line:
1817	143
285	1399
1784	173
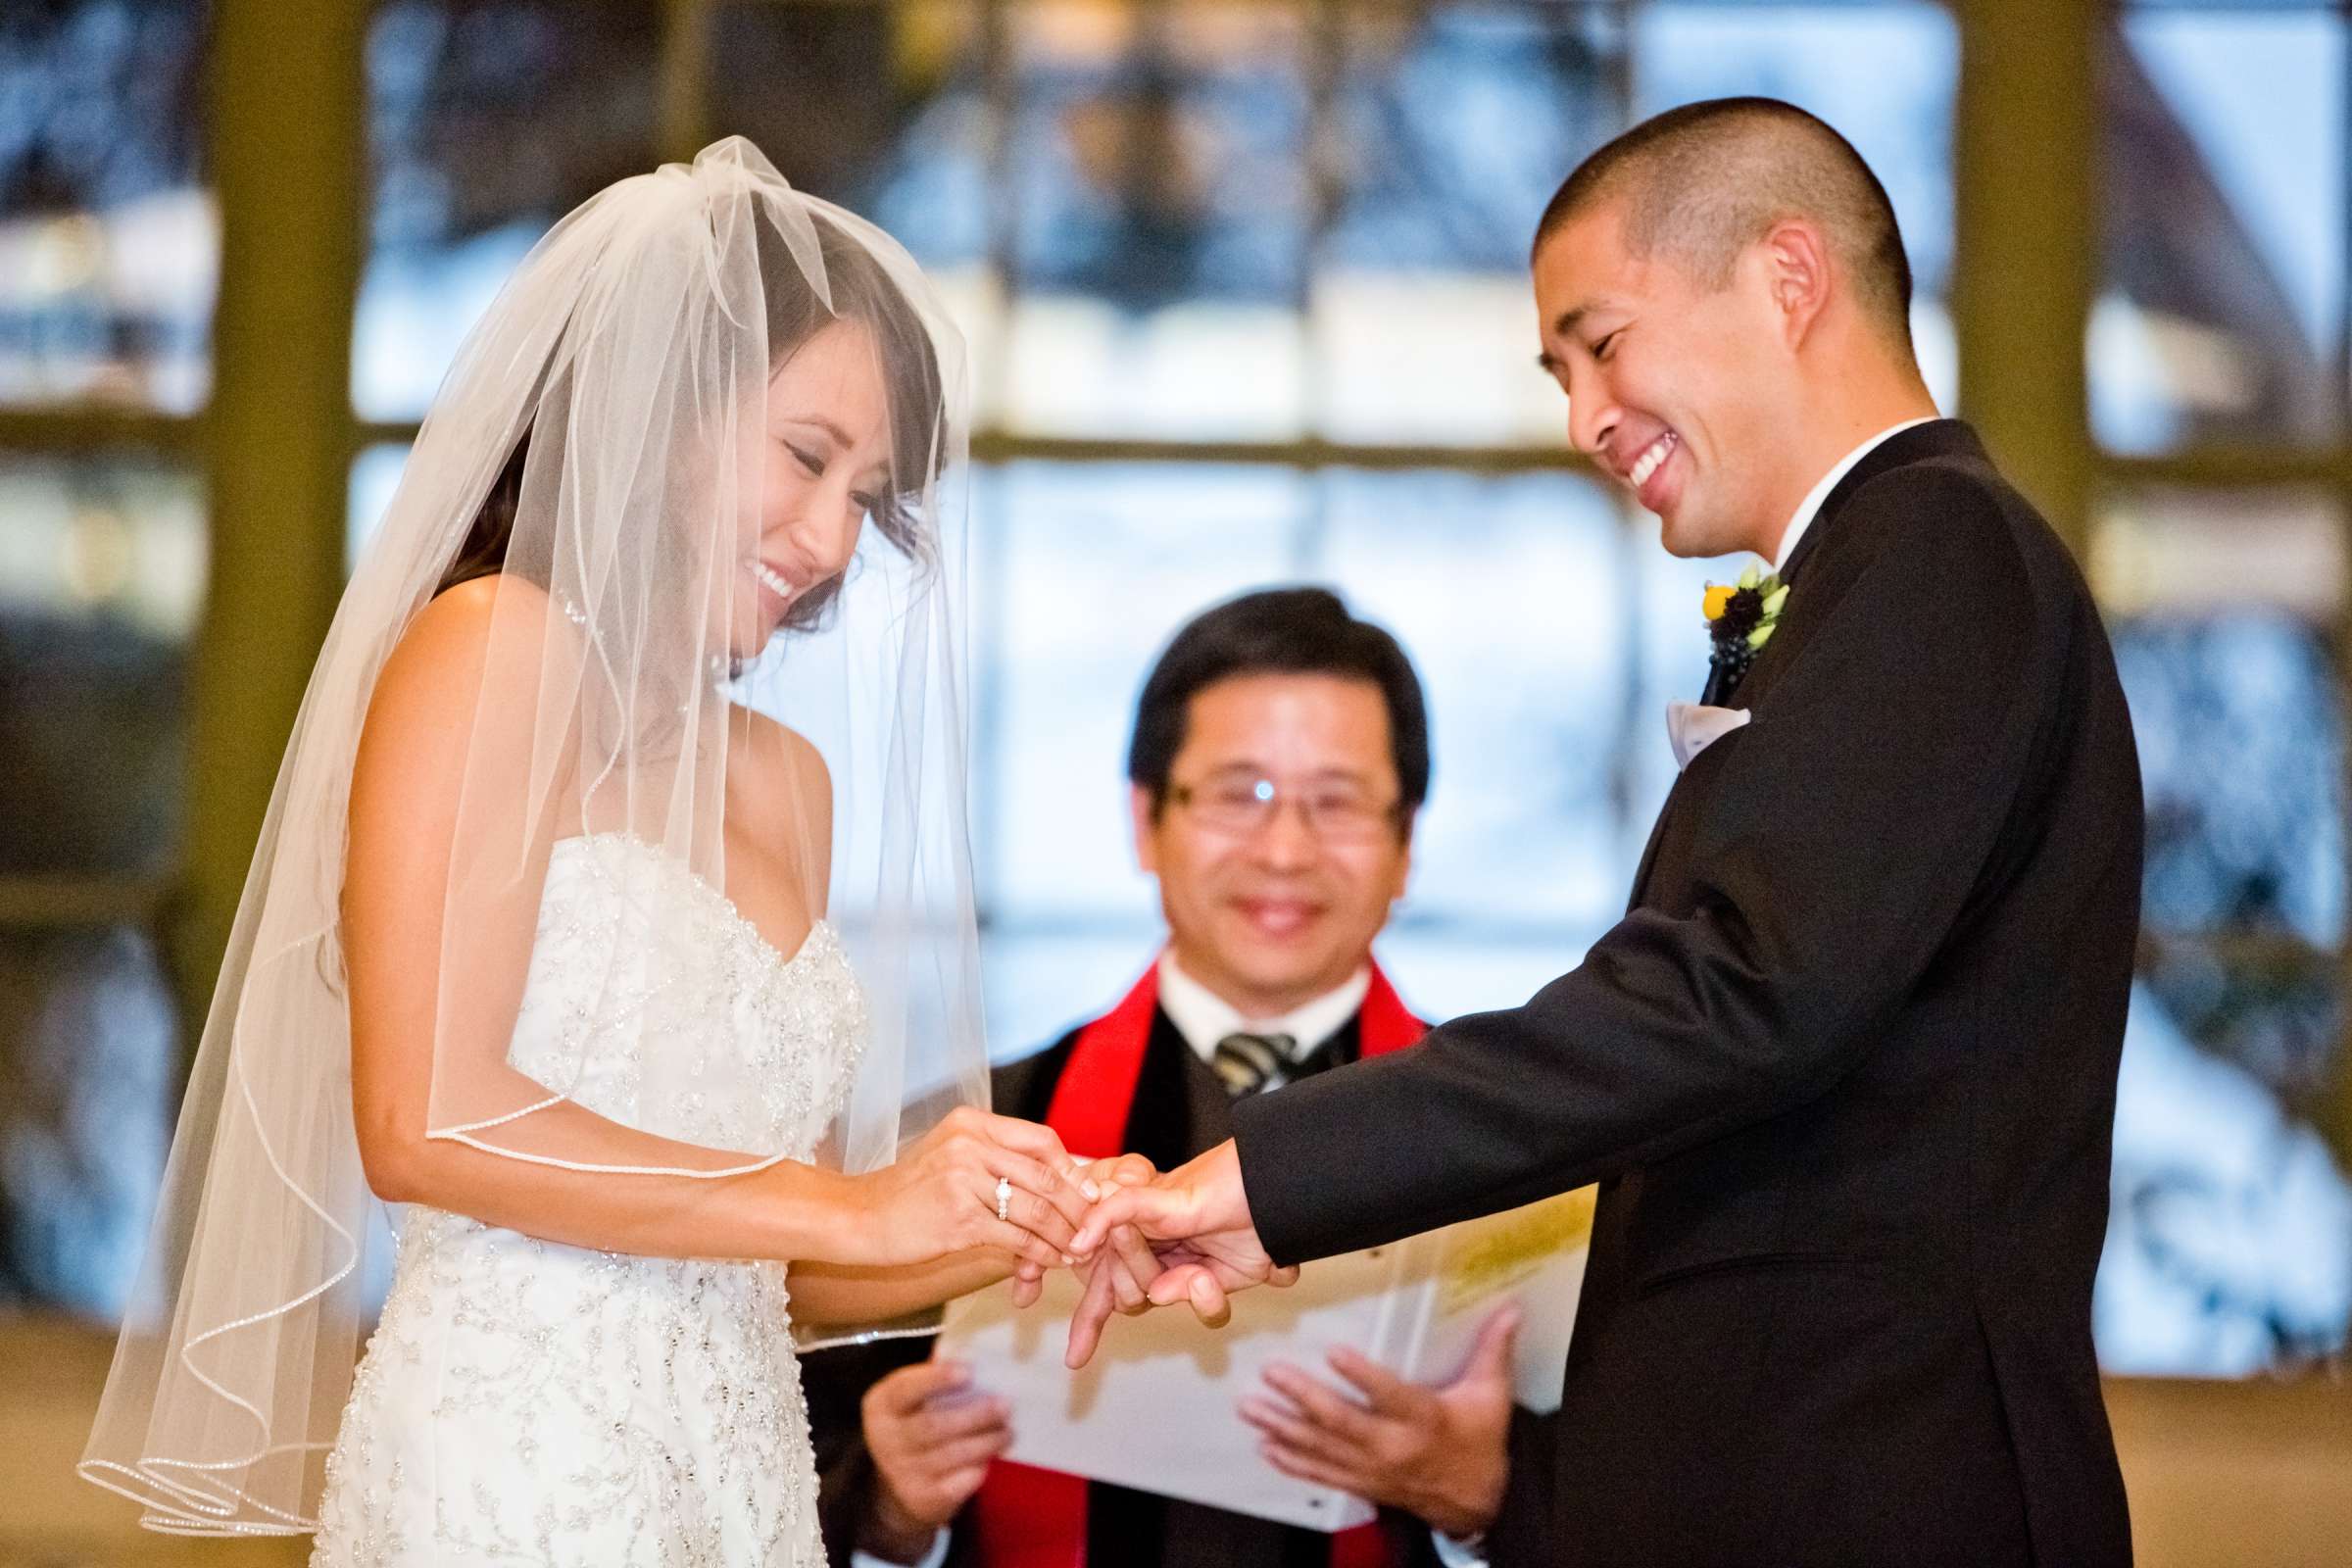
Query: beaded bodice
653	1001
525	1401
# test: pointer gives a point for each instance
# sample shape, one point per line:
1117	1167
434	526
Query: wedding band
1004	1197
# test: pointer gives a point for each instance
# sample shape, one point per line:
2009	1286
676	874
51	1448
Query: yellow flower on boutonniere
1741	618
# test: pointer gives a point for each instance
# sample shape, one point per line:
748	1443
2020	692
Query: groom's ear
1799	272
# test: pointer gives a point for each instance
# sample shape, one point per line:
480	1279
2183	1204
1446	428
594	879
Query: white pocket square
1693	728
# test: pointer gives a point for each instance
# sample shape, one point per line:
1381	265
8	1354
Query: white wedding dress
529	1402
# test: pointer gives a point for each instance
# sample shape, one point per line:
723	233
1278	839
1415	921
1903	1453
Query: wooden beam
685	127
55	902
83	428
2026	247
286	116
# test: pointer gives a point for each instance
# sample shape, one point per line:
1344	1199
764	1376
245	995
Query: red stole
1026	1518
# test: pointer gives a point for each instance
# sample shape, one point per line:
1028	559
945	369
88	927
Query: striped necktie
1250	1062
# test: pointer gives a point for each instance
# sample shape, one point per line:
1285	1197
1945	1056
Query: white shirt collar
1810	506
1204	1017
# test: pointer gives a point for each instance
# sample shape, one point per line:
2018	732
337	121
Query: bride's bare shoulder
478	647
791	791
466	632
783	757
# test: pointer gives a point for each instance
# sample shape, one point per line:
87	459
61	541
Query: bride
612	919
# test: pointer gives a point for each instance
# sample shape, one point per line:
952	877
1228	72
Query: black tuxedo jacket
1181	1109
1846	1070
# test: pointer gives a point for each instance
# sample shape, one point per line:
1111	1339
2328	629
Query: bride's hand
940	1197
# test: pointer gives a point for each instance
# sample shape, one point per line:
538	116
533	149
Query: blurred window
2220	311
109	243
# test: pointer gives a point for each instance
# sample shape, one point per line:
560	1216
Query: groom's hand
1198	1244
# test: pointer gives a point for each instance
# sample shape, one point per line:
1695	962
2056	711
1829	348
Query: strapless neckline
821	935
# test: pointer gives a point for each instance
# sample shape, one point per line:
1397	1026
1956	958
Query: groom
1846	1068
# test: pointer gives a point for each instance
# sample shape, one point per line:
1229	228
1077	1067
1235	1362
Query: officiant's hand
931	1439
1198	1245
1442	1453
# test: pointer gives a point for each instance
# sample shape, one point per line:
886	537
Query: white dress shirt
1810	506
1204	1017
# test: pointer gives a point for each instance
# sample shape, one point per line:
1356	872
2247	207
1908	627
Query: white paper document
1155	1409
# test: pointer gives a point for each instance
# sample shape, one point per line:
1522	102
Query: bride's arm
414	753
834	1293
839	1293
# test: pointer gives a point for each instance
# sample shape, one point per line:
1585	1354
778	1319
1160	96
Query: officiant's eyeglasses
1244	803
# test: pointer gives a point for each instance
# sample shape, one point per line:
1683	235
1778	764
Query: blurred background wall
1245	285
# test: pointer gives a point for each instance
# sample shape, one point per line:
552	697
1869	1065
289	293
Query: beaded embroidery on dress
528	1403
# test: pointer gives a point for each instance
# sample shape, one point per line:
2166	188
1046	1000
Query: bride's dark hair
862	292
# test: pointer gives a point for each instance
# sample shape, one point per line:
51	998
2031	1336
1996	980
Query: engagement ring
1004	1197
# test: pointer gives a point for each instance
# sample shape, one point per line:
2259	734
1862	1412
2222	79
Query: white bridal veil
597	461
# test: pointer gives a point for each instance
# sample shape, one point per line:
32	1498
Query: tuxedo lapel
1922	443
1649	849
1672	829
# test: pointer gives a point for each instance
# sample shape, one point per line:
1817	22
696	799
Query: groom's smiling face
1673	386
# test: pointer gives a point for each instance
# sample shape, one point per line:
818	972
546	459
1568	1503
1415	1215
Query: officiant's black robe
1845	1071
1180	1110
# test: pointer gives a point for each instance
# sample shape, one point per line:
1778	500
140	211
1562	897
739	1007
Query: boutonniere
1741	620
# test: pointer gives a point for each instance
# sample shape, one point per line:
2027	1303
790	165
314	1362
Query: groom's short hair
1279	631
1704	181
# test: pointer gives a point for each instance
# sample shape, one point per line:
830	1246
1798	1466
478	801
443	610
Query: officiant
1280	757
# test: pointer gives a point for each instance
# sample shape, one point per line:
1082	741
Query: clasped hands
1153	1240
1147	1240
1141	1239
